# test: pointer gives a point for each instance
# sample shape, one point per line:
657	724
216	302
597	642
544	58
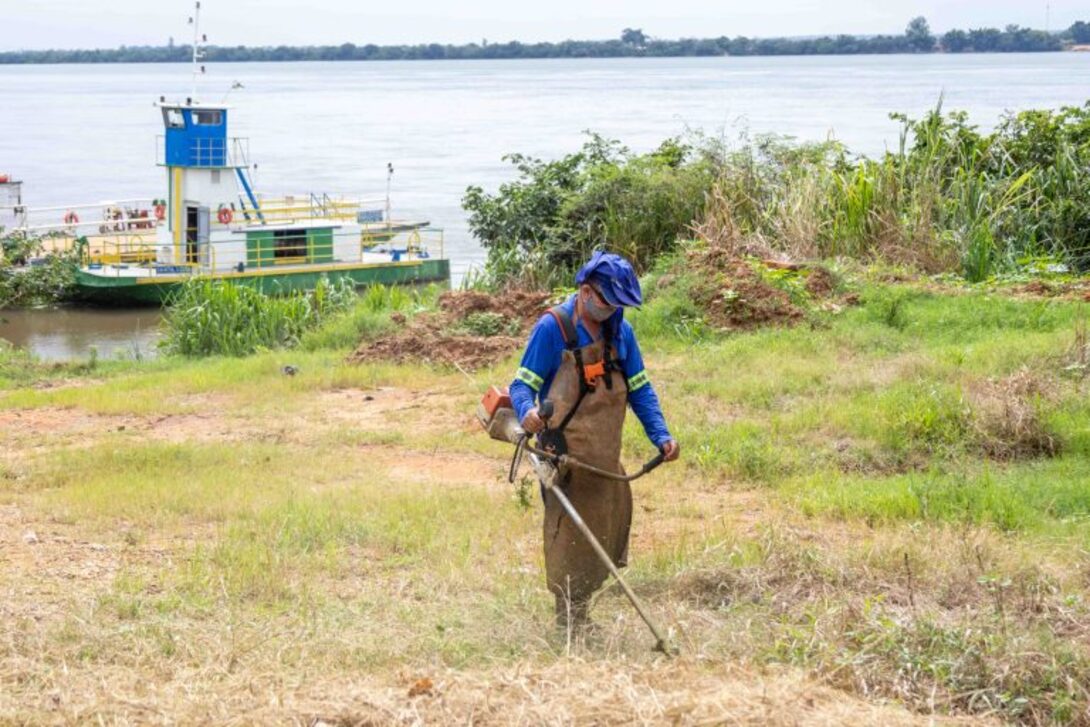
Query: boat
211	223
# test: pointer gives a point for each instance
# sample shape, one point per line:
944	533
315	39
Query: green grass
1034	496
863	393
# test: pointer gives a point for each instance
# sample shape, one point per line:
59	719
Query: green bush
367	318
487	323
30	277
541	227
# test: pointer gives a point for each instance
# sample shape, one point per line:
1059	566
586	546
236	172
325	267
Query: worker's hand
532	422
671	450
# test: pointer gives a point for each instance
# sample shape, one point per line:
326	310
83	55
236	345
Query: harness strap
588	372
571	342
584	389
567	326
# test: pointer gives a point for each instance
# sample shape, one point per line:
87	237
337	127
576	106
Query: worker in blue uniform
583	357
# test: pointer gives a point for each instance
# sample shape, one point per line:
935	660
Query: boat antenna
389	177
198	47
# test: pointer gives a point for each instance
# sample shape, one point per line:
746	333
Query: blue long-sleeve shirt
543	355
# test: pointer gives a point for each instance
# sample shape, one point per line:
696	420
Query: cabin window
215	176
289	245
207	118
173	119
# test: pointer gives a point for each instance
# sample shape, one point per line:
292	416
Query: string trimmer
498	418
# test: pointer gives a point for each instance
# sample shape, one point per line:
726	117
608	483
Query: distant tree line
917	38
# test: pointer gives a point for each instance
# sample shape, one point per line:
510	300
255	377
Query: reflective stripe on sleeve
529	378
638	381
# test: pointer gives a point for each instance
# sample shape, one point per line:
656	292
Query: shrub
539	228
30	277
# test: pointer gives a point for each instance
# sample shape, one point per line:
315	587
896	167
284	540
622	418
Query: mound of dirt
736	297
820	283
470	330
734	294
527	306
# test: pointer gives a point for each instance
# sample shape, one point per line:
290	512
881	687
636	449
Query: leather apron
573	572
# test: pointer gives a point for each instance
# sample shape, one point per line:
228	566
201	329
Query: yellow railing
278	214
290	251
278	210
119	256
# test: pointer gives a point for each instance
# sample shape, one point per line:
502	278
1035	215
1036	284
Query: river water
87	133
67	333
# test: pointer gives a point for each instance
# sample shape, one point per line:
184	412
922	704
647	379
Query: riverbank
878	516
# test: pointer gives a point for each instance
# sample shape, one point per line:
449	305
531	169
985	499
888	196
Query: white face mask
596	310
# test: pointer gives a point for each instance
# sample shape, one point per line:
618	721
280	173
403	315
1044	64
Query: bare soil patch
380	409
1065	289
48	562
388	408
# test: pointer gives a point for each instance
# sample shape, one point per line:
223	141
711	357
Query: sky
36	24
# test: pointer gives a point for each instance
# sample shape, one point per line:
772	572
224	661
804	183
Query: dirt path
217	420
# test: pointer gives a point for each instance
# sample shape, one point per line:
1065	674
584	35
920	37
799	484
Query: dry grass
1007	420
569	692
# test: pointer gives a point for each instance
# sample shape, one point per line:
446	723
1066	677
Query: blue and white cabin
207	186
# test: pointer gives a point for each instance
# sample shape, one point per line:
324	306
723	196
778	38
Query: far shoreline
1075	50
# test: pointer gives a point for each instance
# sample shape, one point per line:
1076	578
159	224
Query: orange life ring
160	211
71	218
224	215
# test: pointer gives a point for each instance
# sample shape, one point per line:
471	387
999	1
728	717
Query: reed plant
207	317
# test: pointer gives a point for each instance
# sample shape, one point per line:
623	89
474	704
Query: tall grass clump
947	199
369	317
207	317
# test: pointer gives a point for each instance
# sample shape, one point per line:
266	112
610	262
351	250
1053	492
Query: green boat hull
143	290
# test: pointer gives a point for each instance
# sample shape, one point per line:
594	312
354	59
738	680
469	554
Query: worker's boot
572	614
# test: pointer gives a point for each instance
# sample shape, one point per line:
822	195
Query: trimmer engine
497	416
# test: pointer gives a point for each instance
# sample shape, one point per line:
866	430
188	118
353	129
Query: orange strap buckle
593	372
